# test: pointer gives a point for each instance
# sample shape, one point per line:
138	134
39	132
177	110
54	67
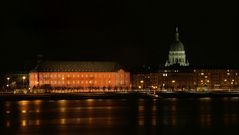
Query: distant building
177	54
79	76
188	79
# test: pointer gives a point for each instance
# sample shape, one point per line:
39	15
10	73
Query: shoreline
79	96
72	96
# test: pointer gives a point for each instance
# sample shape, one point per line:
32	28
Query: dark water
121	116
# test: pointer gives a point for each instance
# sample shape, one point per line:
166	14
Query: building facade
80	76
188	80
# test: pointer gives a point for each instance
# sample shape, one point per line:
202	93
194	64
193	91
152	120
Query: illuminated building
186	79
177	54
79	76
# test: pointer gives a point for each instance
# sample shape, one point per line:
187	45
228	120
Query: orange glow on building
90	77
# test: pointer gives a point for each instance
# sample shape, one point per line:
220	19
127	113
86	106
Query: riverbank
197	95
73	96
76	96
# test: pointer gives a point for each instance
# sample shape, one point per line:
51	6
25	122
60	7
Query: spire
177	34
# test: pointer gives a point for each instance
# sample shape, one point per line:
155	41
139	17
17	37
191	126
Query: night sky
132	32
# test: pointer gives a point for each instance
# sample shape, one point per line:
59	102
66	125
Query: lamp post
23	81
8	78
173	83
142	84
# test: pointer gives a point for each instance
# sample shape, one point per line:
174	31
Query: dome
177	46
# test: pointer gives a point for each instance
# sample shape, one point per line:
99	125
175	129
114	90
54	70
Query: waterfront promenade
116	95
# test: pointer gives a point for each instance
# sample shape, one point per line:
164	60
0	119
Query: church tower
177	54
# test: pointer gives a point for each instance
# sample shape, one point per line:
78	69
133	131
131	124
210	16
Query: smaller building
188	79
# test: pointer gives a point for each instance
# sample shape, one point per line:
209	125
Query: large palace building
79	76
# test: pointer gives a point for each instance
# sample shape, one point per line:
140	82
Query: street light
142	84
173	83
23	80
8	78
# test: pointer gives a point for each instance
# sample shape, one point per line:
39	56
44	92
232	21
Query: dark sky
133	32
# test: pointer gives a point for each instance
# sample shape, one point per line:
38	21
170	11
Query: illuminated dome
177	54
177	46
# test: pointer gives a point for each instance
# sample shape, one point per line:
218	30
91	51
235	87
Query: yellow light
173	81
140	87
24	111
24	77
225	80
7	112
24	123
8	78
141	81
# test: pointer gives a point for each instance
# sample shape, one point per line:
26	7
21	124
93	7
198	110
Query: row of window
79	82
82	75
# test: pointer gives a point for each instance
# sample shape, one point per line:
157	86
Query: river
164	116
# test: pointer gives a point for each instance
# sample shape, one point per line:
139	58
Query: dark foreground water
201	116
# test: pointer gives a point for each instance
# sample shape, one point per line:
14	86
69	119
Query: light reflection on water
172	114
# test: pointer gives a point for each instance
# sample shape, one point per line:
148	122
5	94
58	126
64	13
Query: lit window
202	73
228	73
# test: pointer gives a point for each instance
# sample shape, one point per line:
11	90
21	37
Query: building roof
177	45
77	66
